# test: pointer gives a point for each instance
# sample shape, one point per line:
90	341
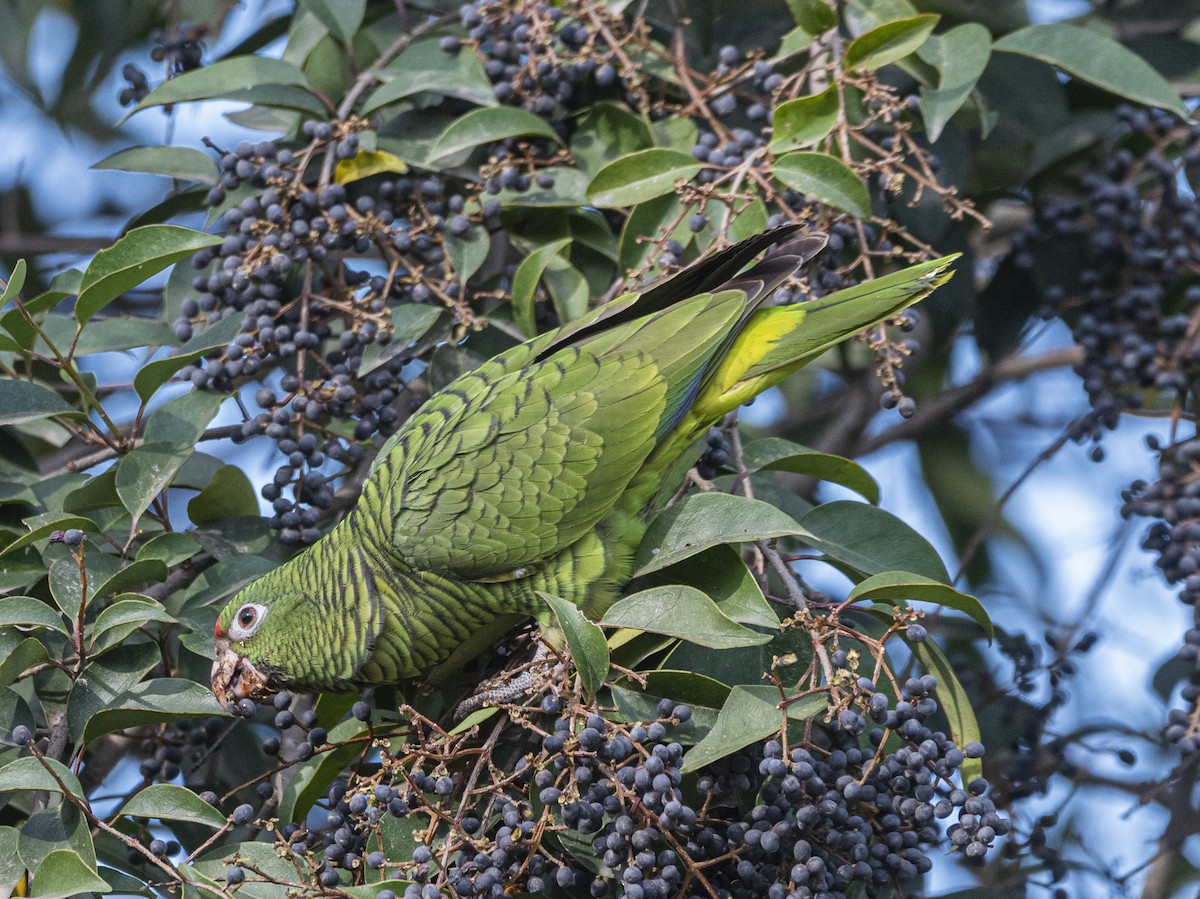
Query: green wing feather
495	474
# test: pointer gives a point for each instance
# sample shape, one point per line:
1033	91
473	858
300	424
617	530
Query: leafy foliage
790	696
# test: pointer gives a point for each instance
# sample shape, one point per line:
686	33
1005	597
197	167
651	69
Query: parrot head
251	657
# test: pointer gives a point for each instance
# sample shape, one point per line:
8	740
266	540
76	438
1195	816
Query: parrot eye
247	620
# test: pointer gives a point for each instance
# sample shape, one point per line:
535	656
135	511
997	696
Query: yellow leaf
367	163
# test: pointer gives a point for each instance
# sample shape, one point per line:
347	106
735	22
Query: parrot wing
502	469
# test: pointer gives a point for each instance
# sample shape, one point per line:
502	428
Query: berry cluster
341	317
182	48
1173	501
850	807
550	59
1136	233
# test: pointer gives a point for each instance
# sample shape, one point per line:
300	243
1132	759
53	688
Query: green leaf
804	121
960	56
232	74
64	873
42	526
215	337
117	334
682	612
168	802
134	574
525	283
154	702
125	616
467	252
367	163
26	611
54	828
409	323
16	283
814	16
568	288
342	17
777	454
704	520
424	66
182	163
108	676
568	190
170	548
750	714
1096	59
228	495
890	42
183	419
722	575
25	401
488	125
822	177
146	471
605	132
136	256
870	540
27	654
29	773
586	641
640	176
897	587
955	703
11	869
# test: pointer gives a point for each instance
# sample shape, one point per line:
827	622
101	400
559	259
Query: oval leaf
183	163
822	177
1096	59
425	66
525	283
146	471
127	615
153	702
136	256
585	640
960	56
26	611
682	612
29	773
154	374
23	401
751	713
804	120
488	125
64	873
168	802
871	541
223	76
640	176
777	454
895	587
704	520
890	42
367	163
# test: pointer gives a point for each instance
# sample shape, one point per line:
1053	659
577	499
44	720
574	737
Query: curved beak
234	677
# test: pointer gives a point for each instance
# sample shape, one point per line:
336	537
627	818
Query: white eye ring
247	620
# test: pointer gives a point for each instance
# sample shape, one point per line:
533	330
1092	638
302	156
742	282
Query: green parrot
537	471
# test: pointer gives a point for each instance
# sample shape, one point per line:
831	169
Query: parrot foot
509	690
